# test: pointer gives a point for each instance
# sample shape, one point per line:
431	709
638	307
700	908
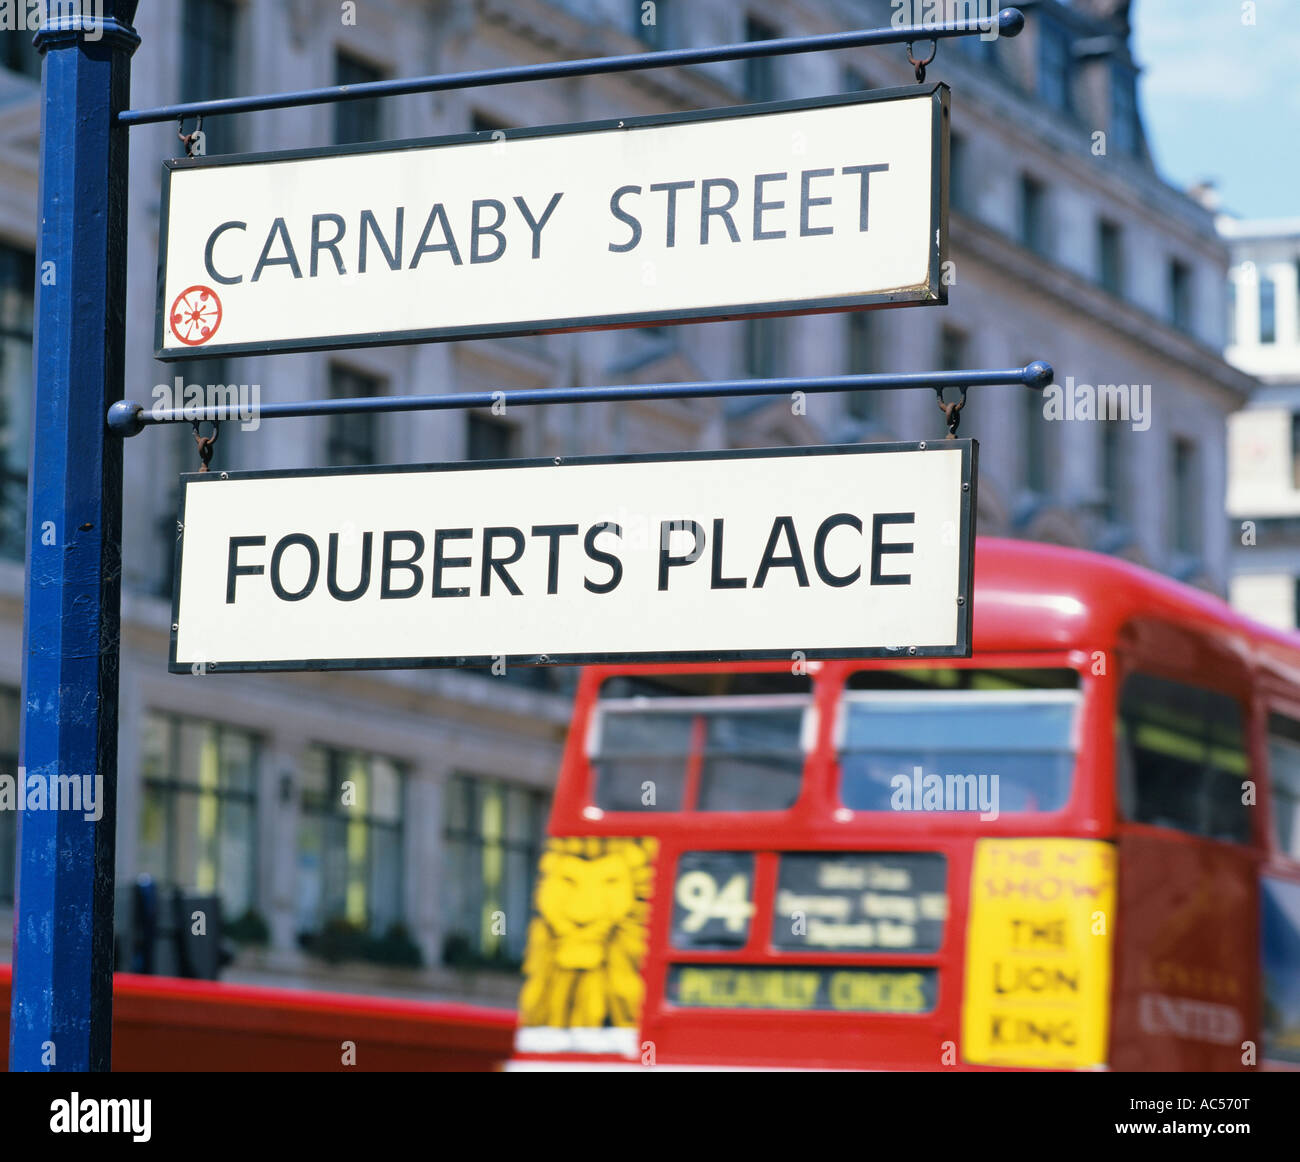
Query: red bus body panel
161	1024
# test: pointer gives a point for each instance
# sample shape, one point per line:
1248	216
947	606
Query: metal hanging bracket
952	411
189	138
919	66
205	442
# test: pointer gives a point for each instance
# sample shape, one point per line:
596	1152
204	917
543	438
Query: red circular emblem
196	315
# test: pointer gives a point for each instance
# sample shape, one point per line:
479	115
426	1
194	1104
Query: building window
17	290
352	439
198	811
1267	310
18	54
1180	295
488	438
760	72
652	23
1124	133
1295	450
1032	209
855	81
958	173
862	358
494	836
1185	498
349	844
1054	61
1110	258
1182	758
357	120
762	348
952	348
1112	472
1035	443
9	713
980	48
209	39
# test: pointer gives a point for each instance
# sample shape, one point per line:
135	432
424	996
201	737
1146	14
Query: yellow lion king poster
583	988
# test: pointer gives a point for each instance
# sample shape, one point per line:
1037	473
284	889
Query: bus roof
1031	596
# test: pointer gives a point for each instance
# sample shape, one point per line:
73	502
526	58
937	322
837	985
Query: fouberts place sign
828	204
786	553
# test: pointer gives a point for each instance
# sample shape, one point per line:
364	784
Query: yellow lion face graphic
587	938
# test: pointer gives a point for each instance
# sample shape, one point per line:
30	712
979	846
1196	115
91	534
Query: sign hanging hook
205	442
189	139
952	411
919	66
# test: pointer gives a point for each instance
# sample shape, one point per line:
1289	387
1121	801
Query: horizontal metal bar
1009	22
128	418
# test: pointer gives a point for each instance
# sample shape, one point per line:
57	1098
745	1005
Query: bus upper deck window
972	740
1284	782
1183	751
688	752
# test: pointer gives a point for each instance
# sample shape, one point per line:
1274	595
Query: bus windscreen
741	753
978	750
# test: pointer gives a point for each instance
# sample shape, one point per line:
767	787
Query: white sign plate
843	551
793	207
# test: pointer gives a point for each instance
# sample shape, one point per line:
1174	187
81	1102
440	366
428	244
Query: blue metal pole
63	924
128	418
1008	22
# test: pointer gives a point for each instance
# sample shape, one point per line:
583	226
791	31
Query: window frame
1267	310
1274	711
336	759
692	704
1032	228
1055	46
1123	763
1180	280
169	788
353	435
472	840
353	68
1075	696
197	36
761	79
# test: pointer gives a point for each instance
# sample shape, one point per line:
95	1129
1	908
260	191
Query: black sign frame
968	448
935	293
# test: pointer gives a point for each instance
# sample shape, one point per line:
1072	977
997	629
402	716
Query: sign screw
175	626
922	445
225	476
911	649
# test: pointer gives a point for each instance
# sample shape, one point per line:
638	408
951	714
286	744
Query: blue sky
1221	99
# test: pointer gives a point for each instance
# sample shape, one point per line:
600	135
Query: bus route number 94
712	907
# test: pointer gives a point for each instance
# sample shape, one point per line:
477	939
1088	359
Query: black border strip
969	450
933	294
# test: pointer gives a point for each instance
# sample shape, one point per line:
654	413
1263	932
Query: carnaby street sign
825	204
844	551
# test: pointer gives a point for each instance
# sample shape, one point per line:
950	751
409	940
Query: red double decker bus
1078	848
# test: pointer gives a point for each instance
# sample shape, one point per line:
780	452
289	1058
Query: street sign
792	207
791	553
